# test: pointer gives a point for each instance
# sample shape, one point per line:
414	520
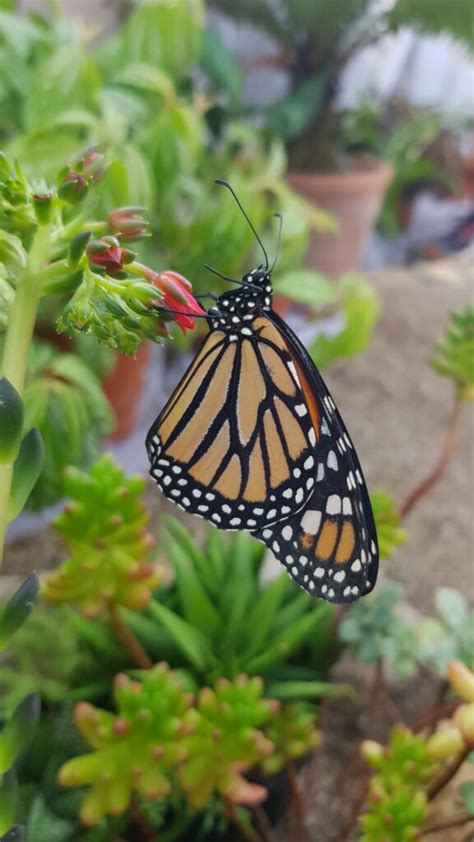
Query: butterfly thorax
235	309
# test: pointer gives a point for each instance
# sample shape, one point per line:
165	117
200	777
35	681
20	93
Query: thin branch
263	824
433	716
454	821
128	640
243	831
297	803
448	449
448	774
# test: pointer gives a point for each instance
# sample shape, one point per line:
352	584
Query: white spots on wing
246	331
226	509
295	571
176	469
301	410
309	483
331	592
332	461
324	428
175	492
319	572
182	481
251	522
166	480
289	559
351	483
355	590
303	560
359	477
285	510
346	506
288	492
186	501
310	522
287	533
216	517
297	473
196	492
267	533
292	369
333	505
203	508
363	557
210	496
373	548
309	462
339	576
299	496
347	591
356	566
324	589
276	547
347	439
271	514
258	512
312	437
320	473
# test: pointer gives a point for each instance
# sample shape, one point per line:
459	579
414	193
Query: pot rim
366	174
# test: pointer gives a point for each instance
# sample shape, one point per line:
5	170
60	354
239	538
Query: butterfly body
252	440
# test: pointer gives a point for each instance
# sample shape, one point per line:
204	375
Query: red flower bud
93	164
105	254
127	222
177	297
73	187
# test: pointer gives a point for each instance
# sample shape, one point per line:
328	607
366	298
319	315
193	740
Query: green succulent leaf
18	731
455	352
305	286
11	422
26	471
18	609
387	521
360	311
8	800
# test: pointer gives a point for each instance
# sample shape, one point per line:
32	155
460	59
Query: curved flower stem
20	326
128	640
427	484
448	774
454	821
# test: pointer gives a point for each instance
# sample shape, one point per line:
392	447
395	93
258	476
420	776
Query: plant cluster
414	767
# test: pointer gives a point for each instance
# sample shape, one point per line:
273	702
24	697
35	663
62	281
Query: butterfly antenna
280	219
226	184
226	277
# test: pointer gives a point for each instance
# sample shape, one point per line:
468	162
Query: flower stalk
21	322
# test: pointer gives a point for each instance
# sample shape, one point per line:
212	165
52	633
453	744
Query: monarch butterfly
251	440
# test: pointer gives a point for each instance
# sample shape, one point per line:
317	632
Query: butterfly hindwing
330	545
235	442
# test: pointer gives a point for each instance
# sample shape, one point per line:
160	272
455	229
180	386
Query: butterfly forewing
330	545
235	443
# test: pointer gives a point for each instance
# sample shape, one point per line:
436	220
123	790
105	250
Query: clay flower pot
124	385
354	197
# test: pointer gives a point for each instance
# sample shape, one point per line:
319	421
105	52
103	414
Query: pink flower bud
127	222
105	254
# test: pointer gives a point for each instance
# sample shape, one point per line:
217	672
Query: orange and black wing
236	442
330	545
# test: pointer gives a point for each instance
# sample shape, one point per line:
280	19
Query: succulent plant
455	352
134	752
293	732
104	526
387	521
450	635
225	738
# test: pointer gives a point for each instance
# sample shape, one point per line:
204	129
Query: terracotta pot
124	386
354	197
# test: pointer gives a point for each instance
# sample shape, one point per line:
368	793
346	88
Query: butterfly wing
235	442
330	545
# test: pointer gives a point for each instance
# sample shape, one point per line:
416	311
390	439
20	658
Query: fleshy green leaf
387	522
26	470
18	731
466	791
8	800
360	310
11	421
18	609
455	352
310	288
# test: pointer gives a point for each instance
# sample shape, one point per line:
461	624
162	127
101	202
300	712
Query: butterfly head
235	308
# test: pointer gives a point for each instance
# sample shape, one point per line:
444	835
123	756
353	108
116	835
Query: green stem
20	326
